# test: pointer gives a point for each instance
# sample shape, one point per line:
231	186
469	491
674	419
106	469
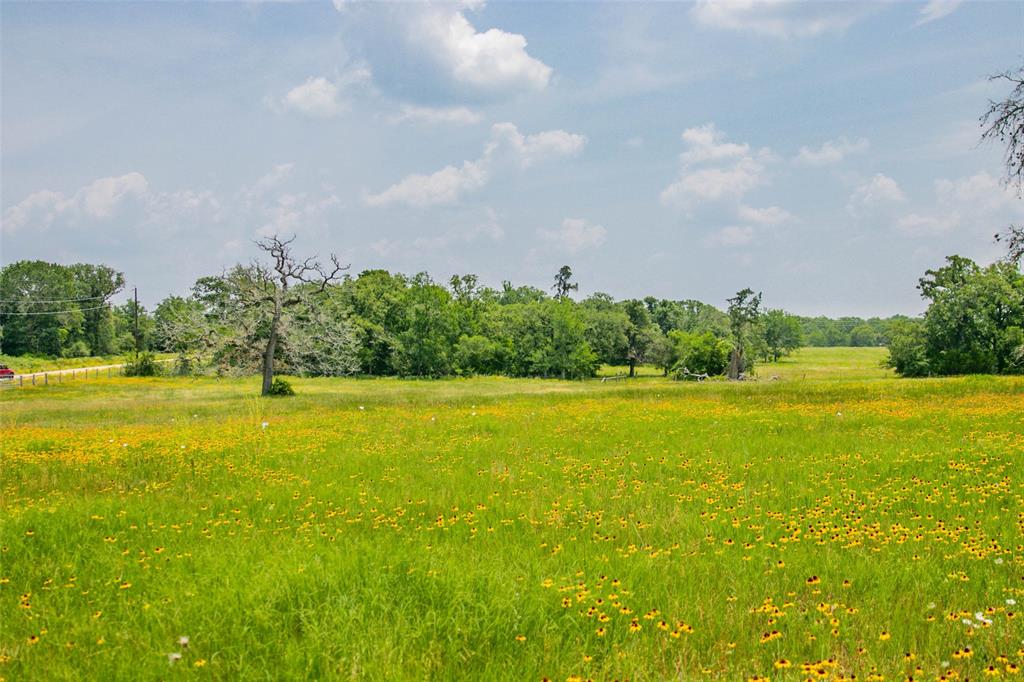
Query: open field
517	529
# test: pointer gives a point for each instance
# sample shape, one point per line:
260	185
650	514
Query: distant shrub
78	349
280	387
145	365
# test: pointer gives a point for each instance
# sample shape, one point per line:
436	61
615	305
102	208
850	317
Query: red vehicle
6	373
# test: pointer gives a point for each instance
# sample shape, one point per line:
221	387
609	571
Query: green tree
640	333
96	285
781	333
563	283
744	310
40	308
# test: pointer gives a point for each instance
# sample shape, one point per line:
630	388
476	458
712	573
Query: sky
824	153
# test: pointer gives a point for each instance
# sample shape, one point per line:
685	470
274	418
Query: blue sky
825	153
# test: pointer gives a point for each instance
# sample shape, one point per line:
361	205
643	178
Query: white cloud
447	185
706	144
978	205
937	9
780	18
832	151
731	235
772	215
431	115
531	149
878	191
291	213
316	97
489	60
575	235
916	224
97	200
982	191
730	170
443	187
319	97
111	202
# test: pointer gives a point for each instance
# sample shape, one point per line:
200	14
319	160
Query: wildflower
173	657
200	663
183	641
520	638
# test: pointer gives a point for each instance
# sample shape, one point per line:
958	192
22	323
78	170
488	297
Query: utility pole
136	324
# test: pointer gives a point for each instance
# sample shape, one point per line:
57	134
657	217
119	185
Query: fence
59	376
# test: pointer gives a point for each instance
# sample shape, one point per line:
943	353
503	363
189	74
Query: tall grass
512	529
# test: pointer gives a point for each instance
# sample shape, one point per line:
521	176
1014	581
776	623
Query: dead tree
283	284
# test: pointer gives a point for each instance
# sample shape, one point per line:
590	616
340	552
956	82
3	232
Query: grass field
831	523
27	364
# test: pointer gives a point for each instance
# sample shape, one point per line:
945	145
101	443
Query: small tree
744	310
563	283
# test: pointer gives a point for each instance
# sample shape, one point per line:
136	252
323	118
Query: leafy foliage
973	324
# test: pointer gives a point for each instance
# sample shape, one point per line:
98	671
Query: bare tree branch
1004	122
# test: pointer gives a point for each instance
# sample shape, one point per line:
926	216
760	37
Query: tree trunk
736	364
632	367
268	354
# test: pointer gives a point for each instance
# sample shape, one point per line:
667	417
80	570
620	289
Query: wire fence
61	376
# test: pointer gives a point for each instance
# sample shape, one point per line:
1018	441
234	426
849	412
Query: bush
145	365
78	349
700	353
280	387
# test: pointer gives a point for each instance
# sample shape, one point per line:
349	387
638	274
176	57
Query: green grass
27	364
385	529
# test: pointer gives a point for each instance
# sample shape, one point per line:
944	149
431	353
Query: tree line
295	317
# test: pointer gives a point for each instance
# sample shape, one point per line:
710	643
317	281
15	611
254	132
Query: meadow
835	523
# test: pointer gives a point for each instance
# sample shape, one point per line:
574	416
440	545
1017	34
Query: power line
56	300
57	312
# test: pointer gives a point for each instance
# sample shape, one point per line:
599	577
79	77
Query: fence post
33	379
46	378
21	382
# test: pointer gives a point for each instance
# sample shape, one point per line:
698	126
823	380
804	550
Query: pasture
832	523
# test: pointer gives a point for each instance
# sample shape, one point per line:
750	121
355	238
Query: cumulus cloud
878	191
713	169
111	201
832	151
974	204
491	60
937	9
731	235
771	215
530	149
442	187
97	200
780	18
319	97
575	235
917	225
432	115
447	185
983	191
